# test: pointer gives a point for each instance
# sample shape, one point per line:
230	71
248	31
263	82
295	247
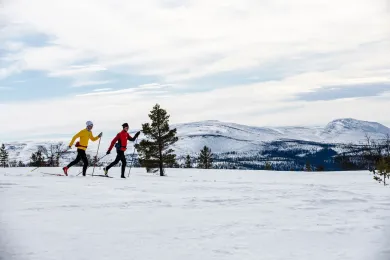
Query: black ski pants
120	156
81	155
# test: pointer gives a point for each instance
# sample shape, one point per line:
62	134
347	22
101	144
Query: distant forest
295	155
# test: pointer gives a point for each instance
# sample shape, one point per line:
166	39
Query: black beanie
125	125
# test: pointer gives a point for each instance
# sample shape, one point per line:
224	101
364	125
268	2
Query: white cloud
154	86
193	39
90	83
102	89
310	43
12	46
7	71
105	93
151	88
77	70
259	104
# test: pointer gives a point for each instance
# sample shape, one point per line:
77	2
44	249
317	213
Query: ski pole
35	168
88	165
96	155
132	158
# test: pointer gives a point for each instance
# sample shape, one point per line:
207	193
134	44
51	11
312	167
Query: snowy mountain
349	129
227	137
249	144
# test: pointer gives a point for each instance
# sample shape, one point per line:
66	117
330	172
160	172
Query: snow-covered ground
192	215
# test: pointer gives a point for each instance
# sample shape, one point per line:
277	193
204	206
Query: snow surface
193	214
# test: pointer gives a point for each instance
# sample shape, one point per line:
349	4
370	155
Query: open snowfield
193	215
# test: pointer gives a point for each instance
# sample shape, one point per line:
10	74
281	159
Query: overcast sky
256	62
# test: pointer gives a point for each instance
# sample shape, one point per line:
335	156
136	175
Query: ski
54	174
101	175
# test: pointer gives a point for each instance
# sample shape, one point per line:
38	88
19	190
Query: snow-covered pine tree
188	163
205	158
154	151
3	156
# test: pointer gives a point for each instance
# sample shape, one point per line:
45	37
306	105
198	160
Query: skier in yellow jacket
85	135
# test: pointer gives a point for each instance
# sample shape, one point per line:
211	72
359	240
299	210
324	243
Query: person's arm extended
74	139
94	138
113	143
133	138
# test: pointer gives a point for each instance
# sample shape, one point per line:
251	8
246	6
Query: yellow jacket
84	136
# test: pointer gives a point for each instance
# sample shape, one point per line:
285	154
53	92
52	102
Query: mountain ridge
242	140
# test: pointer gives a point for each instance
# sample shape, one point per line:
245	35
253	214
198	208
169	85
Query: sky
254	62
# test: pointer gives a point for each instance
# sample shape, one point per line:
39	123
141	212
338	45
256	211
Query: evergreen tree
320	168
13	163
154	151
383	170
268	166
308	167
37	159
3	156
205	158
21	164
188	163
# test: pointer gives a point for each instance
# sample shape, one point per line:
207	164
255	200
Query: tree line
43	157
373	155
155	153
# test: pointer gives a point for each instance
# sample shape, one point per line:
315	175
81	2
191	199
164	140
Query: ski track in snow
193	214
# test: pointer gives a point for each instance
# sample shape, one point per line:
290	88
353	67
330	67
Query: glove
137	134
108	152
100	135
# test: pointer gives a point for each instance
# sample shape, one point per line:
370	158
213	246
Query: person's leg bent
117	159
78	158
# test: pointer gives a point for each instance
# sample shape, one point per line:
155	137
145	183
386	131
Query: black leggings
81	155
119	157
